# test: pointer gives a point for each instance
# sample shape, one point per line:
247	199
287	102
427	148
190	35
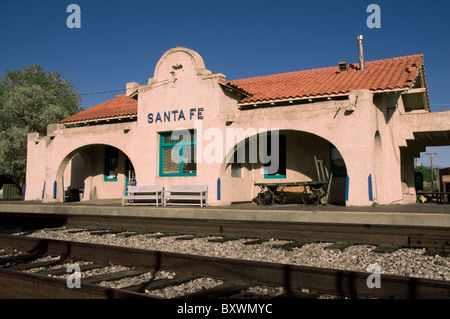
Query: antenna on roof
360	52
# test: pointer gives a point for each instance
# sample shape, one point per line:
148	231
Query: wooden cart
315	192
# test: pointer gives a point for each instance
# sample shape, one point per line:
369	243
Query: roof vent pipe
360	52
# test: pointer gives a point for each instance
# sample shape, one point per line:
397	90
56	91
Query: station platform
425	214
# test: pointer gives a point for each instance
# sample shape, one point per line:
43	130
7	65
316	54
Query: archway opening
95	172
296	152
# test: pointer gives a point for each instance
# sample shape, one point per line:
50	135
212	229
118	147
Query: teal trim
283	155
163	146
107	179
161	155
272	176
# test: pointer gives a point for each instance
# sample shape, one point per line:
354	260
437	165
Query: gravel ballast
403	262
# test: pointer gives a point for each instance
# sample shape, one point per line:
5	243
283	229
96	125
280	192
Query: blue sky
121	41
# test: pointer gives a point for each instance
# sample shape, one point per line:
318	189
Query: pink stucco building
368	121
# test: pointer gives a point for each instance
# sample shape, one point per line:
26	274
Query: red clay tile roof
394	73
120	106
388	74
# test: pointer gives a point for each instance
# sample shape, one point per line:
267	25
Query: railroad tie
114	276
191	237
221	240
32	264
63	270
105	232
8	251
225	290
161	283
255	242
290	246
385	249
339	246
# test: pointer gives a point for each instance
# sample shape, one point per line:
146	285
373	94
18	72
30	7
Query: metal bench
187	195
144	195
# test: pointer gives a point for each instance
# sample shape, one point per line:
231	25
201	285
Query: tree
30	99
426	173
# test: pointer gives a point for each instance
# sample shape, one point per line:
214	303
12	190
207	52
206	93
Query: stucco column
408	175
358	172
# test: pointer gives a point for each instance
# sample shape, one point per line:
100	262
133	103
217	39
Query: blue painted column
24	191
43	191
370	188
218	188
347	183
54	190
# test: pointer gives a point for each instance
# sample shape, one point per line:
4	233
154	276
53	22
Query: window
236	170
177	151
236	165
281	172
111	164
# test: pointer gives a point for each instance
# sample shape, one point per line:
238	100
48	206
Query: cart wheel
264	198
269	197
259	200
280	197
309	197
322	195
322	200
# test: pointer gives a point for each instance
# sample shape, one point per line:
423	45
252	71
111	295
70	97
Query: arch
94	158
300	149
379	181
176	59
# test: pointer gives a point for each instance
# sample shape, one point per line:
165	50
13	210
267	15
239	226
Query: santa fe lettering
175	115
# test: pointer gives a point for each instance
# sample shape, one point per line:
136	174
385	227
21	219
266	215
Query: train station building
190	126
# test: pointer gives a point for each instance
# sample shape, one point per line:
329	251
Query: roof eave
101	119
293	100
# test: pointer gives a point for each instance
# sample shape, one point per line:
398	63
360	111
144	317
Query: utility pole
431	161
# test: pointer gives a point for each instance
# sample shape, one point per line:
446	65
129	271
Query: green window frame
185	148
111	164
281	172
236	170
236	167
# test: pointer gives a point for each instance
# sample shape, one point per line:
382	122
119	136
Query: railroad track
386	237
229	277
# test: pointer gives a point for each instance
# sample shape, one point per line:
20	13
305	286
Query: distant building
444	182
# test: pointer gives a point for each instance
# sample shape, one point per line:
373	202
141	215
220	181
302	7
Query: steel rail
291	277
389	235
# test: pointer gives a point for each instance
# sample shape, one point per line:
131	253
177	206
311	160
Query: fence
11	191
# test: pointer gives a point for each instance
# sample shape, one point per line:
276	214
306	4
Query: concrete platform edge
369	218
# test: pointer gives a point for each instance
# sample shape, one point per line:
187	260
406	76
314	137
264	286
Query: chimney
360	52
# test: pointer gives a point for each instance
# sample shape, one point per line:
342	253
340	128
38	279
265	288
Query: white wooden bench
187	195
144	195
